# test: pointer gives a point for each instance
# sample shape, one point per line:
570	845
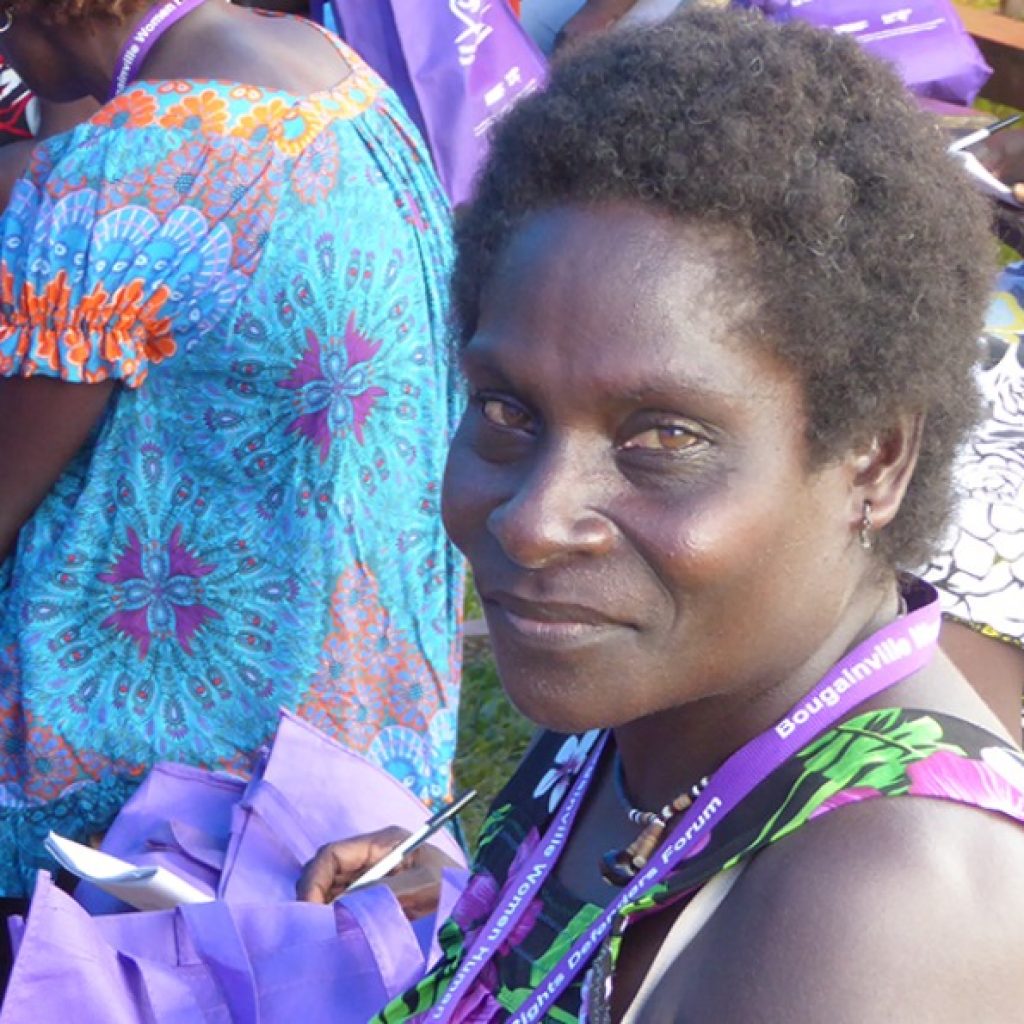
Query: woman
717	295
980	570
227	393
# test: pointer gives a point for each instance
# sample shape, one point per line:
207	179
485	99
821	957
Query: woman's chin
561	709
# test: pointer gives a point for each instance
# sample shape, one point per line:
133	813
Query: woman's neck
95	55
666	753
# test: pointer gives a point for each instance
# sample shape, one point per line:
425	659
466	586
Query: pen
983	133
391	860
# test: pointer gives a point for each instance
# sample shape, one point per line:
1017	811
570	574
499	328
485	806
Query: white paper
146	888
984	179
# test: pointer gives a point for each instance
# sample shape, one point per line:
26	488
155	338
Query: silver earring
867	524
8	22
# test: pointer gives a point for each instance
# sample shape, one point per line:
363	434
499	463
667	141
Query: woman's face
630	482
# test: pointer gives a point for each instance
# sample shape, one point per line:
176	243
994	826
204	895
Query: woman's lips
549	624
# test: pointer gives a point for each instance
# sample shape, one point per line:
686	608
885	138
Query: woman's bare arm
43	424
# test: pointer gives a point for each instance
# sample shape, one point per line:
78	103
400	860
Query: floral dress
980	573
888	753
254	524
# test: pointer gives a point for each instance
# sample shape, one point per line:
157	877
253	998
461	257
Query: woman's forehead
620	285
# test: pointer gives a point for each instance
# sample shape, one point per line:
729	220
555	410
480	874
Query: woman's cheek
460	491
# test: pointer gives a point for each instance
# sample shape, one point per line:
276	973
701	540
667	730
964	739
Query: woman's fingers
416	882
337	865
1003	155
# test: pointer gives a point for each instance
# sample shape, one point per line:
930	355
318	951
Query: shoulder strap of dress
684	930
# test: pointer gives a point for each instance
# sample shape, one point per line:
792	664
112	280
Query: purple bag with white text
924	39
457	65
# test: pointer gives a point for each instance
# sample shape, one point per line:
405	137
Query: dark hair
869	247
63	12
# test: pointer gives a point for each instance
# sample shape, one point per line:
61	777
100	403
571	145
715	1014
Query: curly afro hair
64	12
870	250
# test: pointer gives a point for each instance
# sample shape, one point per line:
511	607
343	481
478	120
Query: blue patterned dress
254	523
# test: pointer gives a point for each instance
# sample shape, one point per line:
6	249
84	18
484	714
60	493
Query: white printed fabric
980	574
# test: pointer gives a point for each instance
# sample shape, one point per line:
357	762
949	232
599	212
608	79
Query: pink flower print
481	896
568	761
970	782
853	795
476	903
478	1005
524	852
333	393
158	592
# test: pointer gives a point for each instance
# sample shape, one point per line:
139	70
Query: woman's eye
505	414
664	439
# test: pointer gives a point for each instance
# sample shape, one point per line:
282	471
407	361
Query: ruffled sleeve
115	256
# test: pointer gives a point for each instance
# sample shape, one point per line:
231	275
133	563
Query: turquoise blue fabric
254	523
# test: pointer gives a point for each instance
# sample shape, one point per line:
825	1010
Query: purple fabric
457	65
924	39
212	963
179	818
255	956
309	791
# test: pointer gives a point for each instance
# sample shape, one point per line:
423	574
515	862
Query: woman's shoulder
894	910
151	117
109	230
872	907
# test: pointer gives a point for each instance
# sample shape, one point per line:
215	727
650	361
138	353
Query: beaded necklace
620	867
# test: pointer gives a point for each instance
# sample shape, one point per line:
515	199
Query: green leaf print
492	826
872	751
427	993
543	965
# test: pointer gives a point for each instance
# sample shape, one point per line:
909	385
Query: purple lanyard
888	656
142	40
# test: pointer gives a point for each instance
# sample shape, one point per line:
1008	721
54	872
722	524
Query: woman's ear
881	471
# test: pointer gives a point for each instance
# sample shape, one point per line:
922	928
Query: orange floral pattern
136	108
204	112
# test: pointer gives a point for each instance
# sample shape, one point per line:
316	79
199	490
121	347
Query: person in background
226	395
979	570
719	354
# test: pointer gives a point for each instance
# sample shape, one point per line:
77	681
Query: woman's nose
553	515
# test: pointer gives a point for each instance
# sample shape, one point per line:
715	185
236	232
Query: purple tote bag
457	65
924	39
309	790
212	963
179	818
254	956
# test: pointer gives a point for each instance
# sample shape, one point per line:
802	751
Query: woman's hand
416	882
1003	155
